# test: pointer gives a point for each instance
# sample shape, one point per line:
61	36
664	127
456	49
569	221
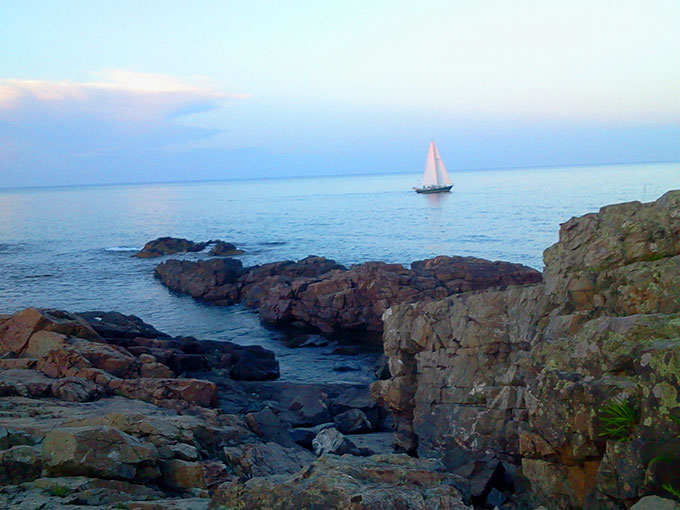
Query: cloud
119	95
55	127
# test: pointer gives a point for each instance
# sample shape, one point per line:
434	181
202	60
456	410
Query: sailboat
435	178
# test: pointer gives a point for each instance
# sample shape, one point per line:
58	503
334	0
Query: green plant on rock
672	490
59	491
675	419
122	506
619	419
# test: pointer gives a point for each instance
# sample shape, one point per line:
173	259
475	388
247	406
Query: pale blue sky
122	91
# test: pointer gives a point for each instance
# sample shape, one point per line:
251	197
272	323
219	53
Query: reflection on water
436	199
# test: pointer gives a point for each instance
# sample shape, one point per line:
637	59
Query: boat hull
434	189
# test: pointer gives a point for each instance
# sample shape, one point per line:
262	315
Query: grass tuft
618	419
672	490
59	491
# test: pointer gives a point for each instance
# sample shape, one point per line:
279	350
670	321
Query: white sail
430	174
442	175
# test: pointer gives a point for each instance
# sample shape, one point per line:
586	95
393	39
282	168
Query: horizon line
227	179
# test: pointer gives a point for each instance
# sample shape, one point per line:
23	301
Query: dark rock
304	436
381	368
269	427
210	280
117	325
357	398
253	363
495	498
168	246
222	249
353	421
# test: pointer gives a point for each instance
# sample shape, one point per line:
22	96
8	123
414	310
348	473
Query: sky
155	91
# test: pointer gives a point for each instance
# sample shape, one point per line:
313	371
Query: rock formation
572	383
171	245
168	246
317	292
101	410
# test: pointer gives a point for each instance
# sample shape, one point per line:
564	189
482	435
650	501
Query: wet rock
100	452
210	280
168	246
223	248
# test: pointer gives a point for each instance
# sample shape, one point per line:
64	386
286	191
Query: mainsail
435	172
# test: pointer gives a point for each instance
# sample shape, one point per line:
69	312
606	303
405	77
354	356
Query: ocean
72	247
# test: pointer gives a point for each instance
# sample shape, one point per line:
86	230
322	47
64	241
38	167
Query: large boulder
17	330
101	452
168	246
210	280
118	325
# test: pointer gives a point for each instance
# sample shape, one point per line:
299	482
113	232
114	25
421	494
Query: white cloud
118	94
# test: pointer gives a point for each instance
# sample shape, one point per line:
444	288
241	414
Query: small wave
36	276
122	248
273	243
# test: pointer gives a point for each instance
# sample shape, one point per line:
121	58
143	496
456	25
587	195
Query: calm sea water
71	247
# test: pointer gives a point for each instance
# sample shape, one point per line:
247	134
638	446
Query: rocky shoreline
502	388
320	294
